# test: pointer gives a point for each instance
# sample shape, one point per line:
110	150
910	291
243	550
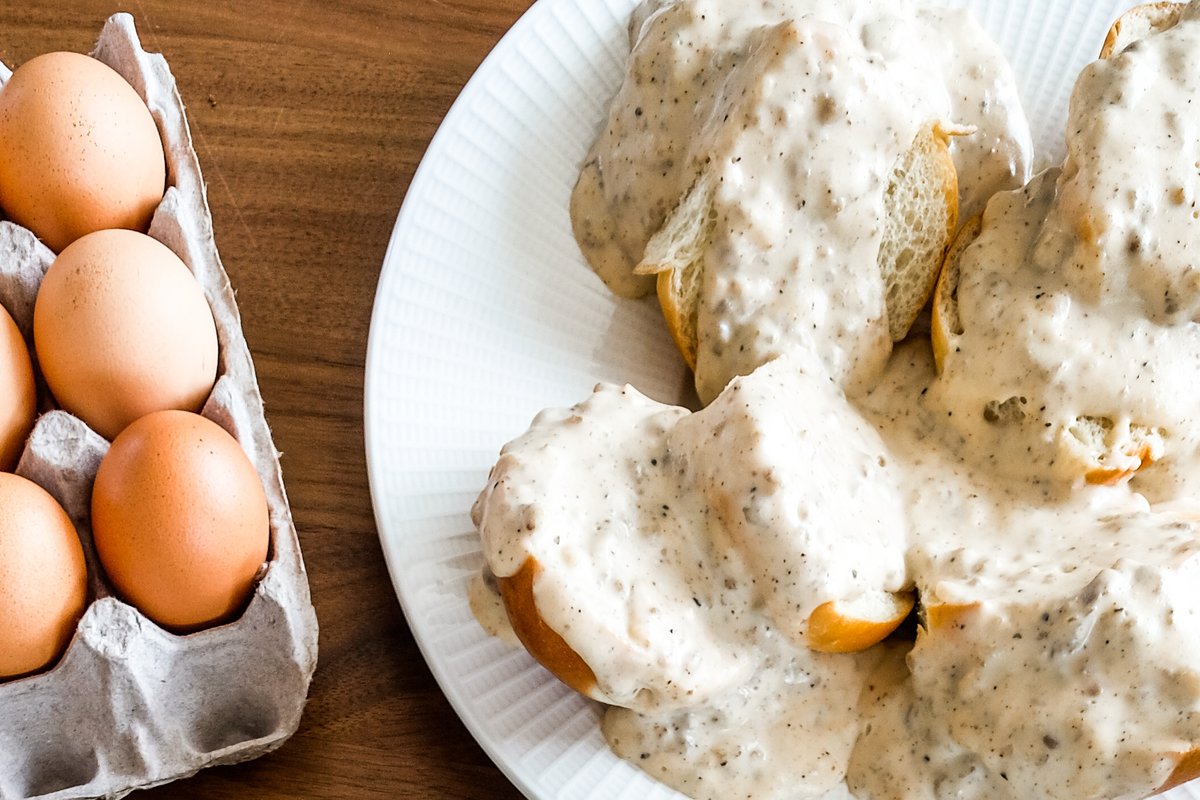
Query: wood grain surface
309	119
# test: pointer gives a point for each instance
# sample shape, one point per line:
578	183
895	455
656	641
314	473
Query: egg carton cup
130	705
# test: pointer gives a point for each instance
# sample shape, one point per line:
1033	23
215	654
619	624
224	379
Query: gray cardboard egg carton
130	705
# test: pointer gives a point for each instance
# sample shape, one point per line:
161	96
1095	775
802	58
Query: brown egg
180	520
121	329
79	150
43	577
18	397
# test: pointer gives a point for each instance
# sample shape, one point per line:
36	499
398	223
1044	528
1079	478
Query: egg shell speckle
180	520
78	150
122	329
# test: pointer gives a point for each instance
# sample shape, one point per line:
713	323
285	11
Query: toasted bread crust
543	642
945	320
1137	22
678	313
1186	768
832	630
946	615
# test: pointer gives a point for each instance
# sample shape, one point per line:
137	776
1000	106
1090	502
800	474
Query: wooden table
310	118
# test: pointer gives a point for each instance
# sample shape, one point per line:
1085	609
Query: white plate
485	313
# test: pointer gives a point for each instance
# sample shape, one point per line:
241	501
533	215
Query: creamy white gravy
1081	298
1059	655
796	110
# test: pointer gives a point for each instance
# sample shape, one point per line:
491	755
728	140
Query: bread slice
1136	23
1119	451
676	254
920	215
1103	450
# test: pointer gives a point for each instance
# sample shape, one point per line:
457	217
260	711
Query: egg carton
130	705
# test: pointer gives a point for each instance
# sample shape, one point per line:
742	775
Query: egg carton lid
130	705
